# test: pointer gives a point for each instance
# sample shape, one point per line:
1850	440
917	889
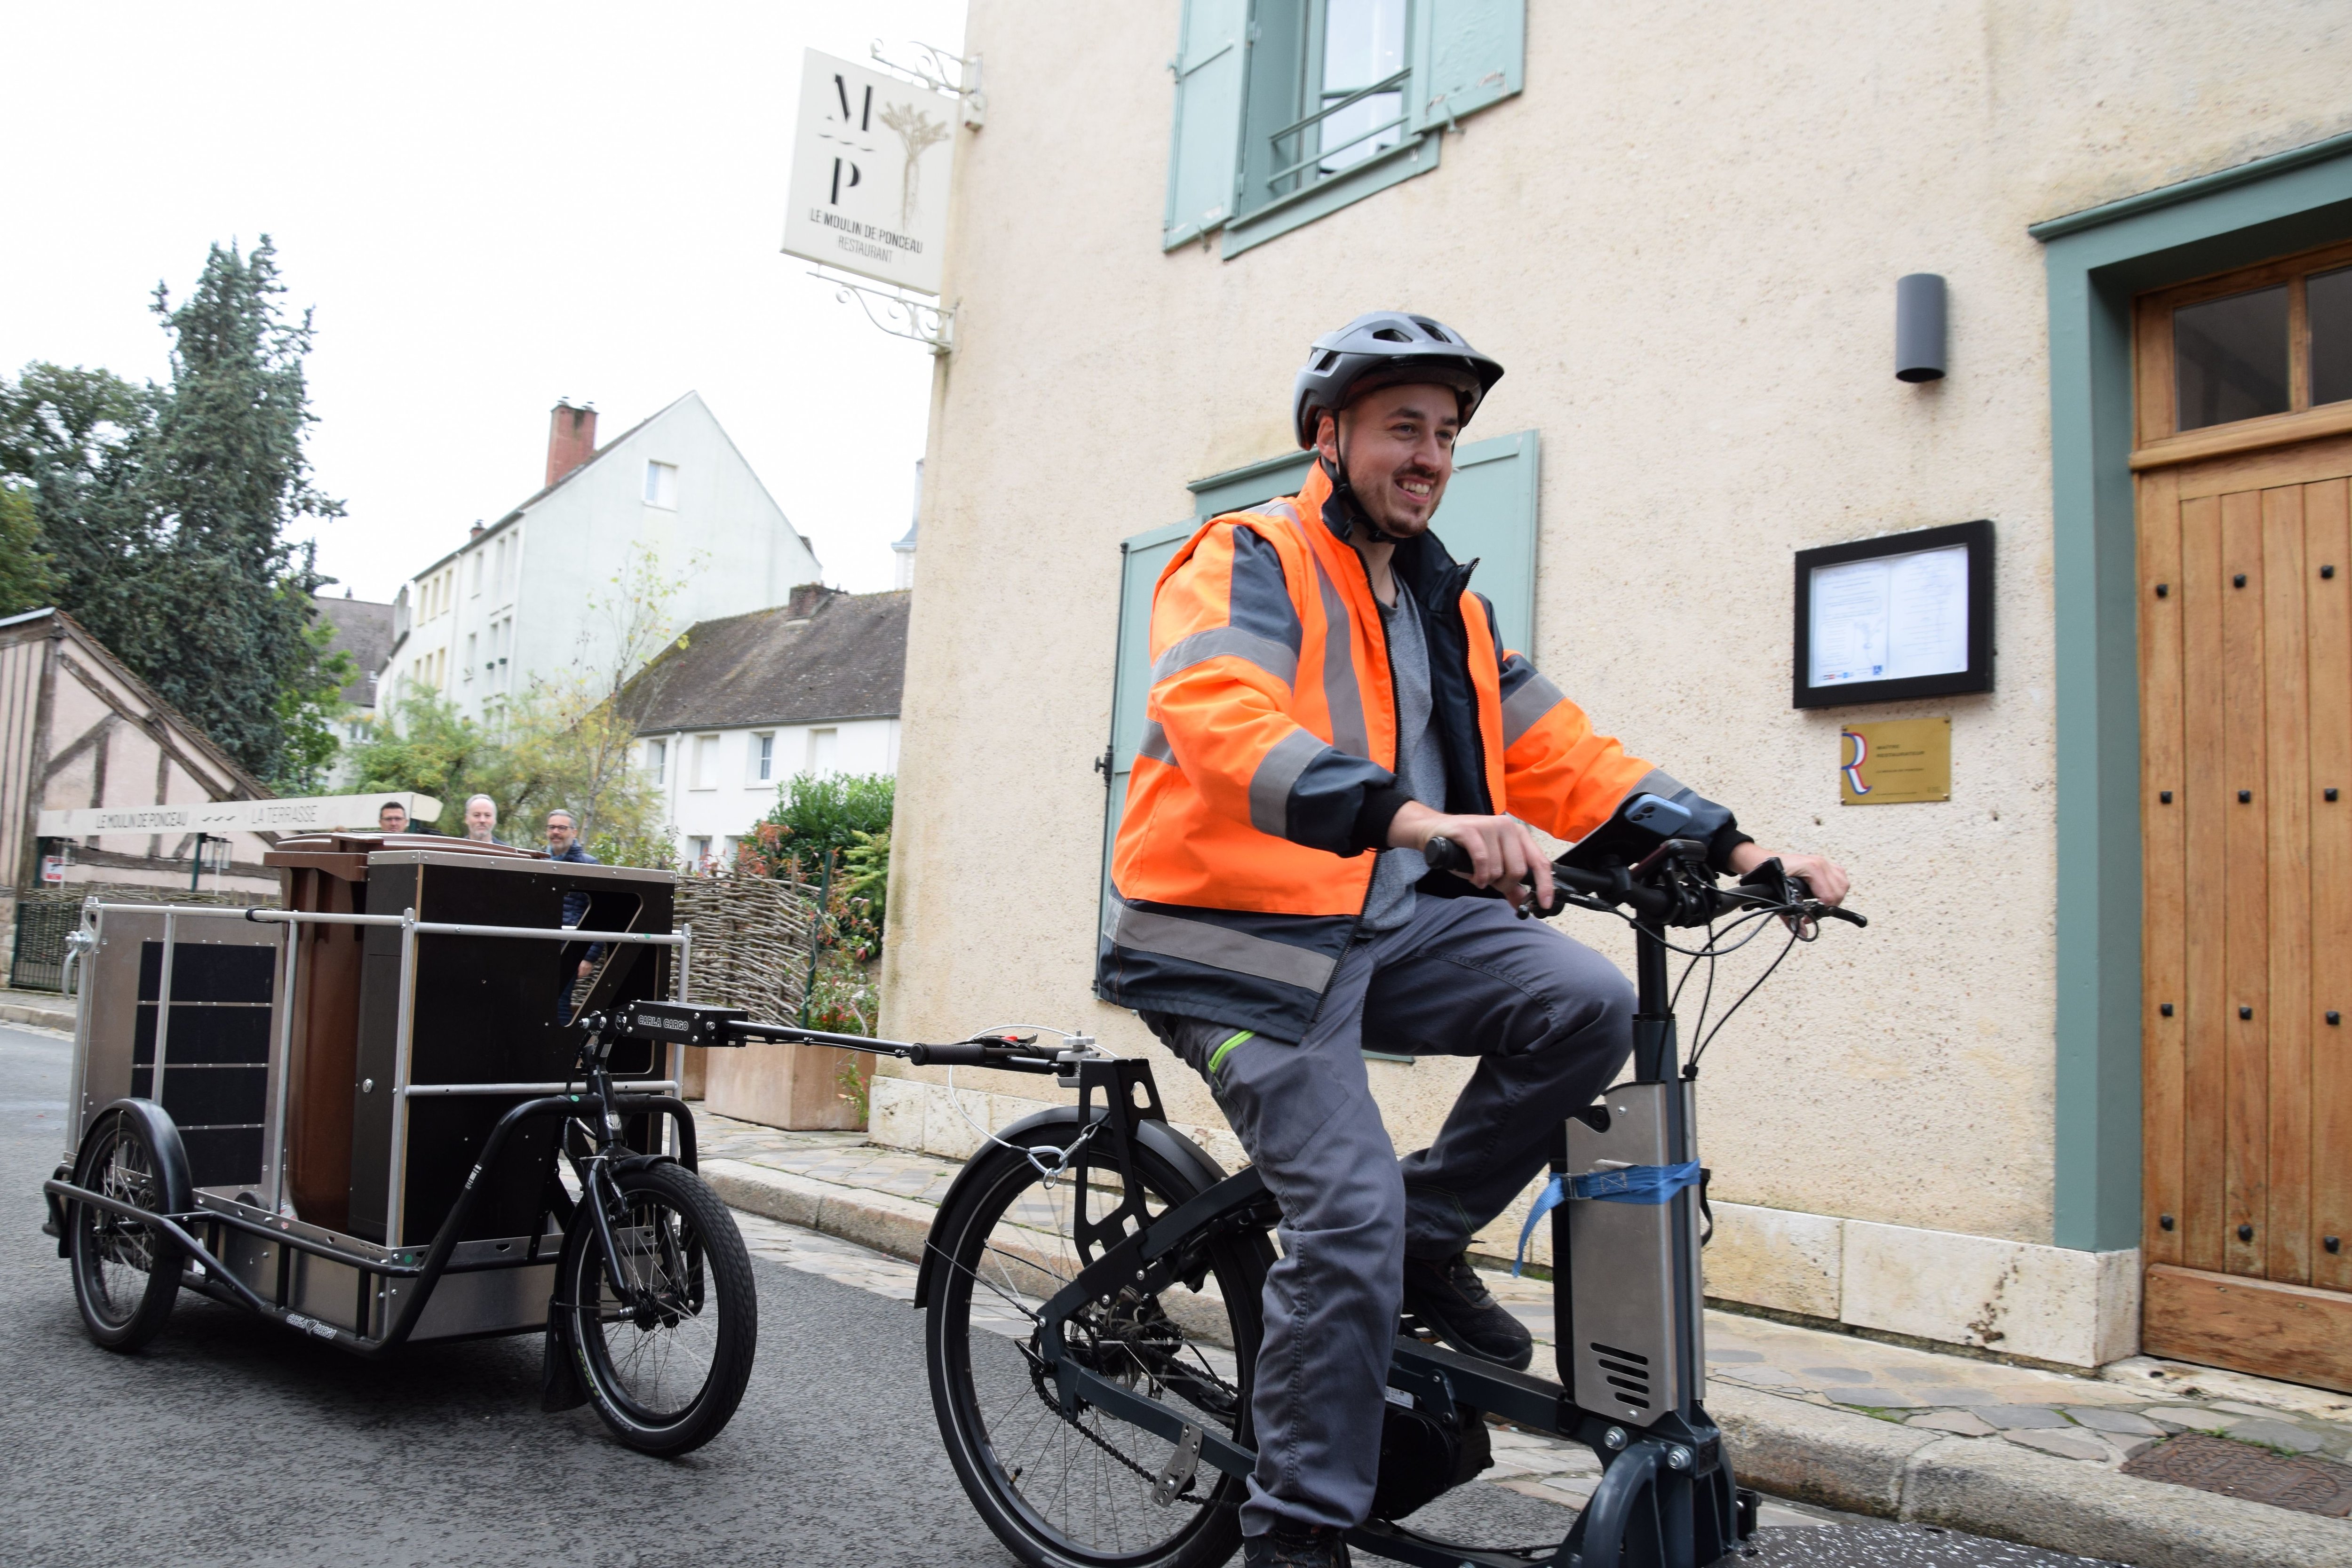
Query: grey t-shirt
1421	766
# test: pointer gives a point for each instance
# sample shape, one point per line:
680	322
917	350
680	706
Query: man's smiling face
1399	445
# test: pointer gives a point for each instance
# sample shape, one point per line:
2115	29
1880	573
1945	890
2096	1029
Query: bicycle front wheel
1078	1493
665	1375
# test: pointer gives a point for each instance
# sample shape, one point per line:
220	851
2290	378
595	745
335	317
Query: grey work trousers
1551	1021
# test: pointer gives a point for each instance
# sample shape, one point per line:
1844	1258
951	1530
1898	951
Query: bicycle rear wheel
1078	1494
666	1377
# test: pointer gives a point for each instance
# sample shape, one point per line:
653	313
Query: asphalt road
231	1440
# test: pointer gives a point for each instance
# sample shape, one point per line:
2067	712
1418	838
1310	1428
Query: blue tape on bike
1647	1185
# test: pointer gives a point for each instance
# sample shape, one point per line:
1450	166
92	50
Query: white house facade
524	598
810	687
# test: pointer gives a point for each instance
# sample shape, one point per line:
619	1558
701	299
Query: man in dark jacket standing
564	844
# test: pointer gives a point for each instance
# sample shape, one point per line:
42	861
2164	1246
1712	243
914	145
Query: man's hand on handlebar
1825	878
1504	854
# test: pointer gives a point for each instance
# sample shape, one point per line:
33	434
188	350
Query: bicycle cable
1062	1156
1796	935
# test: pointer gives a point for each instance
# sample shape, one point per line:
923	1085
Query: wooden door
2245	626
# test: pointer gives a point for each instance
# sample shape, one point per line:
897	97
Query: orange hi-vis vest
1266	769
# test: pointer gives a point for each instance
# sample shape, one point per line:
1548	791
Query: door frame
2096	260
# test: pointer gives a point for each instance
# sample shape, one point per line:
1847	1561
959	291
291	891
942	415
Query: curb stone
1988	1485
1995	1489
60	1018
890	1225
1794	1449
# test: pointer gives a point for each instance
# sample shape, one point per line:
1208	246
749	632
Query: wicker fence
47	915
751	940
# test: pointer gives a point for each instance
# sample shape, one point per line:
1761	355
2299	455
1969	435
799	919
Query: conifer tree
229	635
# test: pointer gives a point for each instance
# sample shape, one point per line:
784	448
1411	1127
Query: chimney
571	438
806	600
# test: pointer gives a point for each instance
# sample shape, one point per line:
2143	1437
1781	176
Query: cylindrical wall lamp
1920	327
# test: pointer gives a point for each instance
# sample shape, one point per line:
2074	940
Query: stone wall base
2039	1303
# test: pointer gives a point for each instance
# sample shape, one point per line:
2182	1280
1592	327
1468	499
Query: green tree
308	707
27	581
423	743
162	513
71	441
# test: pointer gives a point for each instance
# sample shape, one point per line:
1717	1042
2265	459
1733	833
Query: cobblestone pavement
2105	1419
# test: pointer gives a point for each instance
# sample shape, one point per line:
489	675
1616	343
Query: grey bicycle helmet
1387	348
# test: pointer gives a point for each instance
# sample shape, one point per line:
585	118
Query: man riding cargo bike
1332	710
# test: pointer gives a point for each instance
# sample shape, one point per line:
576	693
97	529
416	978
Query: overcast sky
490	207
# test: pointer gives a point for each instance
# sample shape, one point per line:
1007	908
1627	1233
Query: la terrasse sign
304	814
871	156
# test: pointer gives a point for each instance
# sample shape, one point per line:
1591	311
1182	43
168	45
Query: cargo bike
1092	1284
392	1112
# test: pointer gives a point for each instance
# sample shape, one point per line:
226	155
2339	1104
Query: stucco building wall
1682	239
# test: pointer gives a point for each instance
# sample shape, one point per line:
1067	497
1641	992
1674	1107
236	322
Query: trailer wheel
126	1274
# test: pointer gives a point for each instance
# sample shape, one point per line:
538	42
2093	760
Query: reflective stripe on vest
1198	941
1267	654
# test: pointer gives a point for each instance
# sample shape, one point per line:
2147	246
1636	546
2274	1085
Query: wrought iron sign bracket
915	316
955	75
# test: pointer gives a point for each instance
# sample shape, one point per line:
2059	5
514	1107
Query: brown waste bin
327	873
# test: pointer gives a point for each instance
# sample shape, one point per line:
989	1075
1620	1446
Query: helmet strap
1352	514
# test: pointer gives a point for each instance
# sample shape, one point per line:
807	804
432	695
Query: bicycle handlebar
1658	896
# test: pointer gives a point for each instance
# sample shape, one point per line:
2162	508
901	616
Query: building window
705	772
700	848
1287	109
469	655
763	759
2266	343
823	751
478	573
661	485
1359	58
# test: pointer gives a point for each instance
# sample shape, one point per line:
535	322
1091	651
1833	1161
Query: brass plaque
1894	761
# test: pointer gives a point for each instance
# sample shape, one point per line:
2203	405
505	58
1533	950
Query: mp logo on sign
870	159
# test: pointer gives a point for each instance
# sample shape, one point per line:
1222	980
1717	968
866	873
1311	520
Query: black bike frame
1666	1498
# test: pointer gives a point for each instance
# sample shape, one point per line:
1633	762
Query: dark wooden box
488	1009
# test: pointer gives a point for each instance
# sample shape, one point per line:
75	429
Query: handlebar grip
1443	855
1831	911
960	1054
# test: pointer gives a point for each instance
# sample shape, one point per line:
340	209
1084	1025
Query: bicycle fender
559	1378
1164	1140
162	1136
634	1162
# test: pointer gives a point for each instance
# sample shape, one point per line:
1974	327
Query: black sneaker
1296	1546
1452	1300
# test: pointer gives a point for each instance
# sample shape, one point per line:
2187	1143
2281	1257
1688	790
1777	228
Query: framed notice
1902	616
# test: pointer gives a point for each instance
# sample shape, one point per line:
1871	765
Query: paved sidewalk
1827	1417
39	1009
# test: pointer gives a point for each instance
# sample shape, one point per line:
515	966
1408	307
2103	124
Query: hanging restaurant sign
871	157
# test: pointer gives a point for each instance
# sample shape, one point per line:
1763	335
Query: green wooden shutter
1204	151
1141	560
1467	54
1489	514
